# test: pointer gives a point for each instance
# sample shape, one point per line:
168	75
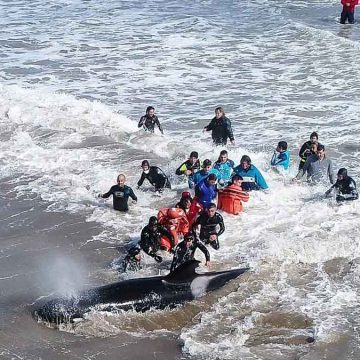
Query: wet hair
153	221
189	236
221	109
236	177
342	172
194	154
320	147
314	134
206	162
145	162
212	177
211	206
245	158
134	251
283	145
149	108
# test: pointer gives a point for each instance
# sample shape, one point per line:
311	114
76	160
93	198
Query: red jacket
352	3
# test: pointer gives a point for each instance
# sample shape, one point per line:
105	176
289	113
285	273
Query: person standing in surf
306	150
348	11
121	194
220	126
149	120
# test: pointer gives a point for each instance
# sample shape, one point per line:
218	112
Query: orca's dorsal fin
184	272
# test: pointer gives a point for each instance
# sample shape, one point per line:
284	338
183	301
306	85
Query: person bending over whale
149	120
211	226
150	238
155	176
132	261
121	194
344	186
185	251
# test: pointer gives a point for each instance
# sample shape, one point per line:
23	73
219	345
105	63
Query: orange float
230	199
175	220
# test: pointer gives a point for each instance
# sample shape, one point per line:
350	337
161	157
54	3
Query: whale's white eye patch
199	285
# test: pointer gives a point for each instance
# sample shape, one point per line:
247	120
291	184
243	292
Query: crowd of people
194	222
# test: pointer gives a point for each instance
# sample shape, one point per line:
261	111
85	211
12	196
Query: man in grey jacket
318	167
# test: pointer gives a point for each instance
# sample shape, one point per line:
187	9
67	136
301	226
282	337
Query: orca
141	294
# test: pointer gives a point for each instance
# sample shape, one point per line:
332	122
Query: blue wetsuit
252	178
225	170
281	159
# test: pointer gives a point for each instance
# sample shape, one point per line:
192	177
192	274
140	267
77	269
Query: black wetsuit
184	253
150	239
130	264
156	177
120	196
304	153
149	123
188	165
346	189
209	226
221	130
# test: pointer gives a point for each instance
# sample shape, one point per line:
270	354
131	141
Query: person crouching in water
175	221
190	206
121	194
132	261
155	176
150	238
344	186
348	11
211	226
281	157
230	198
185	251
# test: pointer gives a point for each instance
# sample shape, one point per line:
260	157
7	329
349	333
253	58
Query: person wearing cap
189	168
206	191
305	150
121	194
132	261
155	176
231	197
185	251
205	172
345	187
317	167
149	120
225	168
251	175
281	157
150	238
220	127
211	225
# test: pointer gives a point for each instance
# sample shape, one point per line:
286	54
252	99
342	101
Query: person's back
132	261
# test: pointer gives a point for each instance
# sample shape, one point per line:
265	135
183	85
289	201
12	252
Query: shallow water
75	78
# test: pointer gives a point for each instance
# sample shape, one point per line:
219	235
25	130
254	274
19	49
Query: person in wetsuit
306	150
121	194
185	251
189	168
211	226
155	176
221	129
344	186
150	238
149	120
132	261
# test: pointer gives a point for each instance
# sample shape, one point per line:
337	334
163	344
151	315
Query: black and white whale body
140	294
